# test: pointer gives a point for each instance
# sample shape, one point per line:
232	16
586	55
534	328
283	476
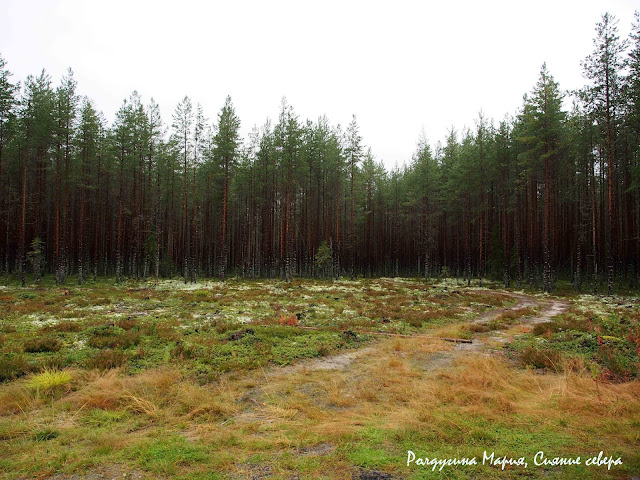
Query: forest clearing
220	380
195	285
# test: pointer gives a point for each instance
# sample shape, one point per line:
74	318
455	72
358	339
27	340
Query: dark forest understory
549	194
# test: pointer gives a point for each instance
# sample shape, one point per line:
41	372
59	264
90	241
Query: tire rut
346	363
486	343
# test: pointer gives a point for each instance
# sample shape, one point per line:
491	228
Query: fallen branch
455	340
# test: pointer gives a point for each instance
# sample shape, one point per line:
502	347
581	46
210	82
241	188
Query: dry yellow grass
390	390
17	398
154	393
385	383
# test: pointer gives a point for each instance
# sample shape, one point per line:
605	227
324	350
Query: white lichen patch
400	280
345	288
120	307
276	290
177	284
317	288
43	322
96	308
592	305
241	287
322	308
333	288
348	282
450	282
252	304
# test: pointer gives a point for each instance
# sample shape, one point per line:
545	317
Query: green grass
167	455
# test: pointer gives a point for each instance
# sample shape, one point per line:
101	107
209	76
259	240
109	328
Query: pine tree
122	133
548	119
199	142
88	140
504	153
66	101
632	88
227	141
371	178
182	126
423	178
353	155
8	103
603	69
287	142
482	140
37	129
154	121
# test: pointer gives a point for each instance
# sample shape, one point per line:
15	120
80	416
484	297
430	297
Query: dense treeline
548	194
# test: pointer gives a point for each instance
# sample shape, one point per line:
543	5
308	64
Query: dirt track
547	308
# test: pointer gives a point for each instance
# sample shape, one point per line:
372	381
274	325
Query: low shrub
111	336
12	366
166	332
108	359
67	326
8	328
542	358
290	320
127	323
618	359
185	351
42	344
611	341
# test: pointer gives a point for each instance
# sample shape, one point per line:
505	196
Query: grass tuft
49	380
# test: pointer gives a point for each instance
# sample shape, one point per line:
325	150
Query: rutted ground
350	407
547	308
344	384
438	355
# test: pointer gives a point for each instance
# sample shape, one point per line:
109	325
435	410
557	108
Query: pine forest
552	192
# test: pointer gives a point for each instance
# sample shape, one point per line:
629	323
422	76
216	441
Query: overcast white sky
399	66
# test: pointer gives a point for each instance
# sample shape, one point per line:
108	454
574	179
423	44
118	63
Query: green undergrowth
601	335
212	327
